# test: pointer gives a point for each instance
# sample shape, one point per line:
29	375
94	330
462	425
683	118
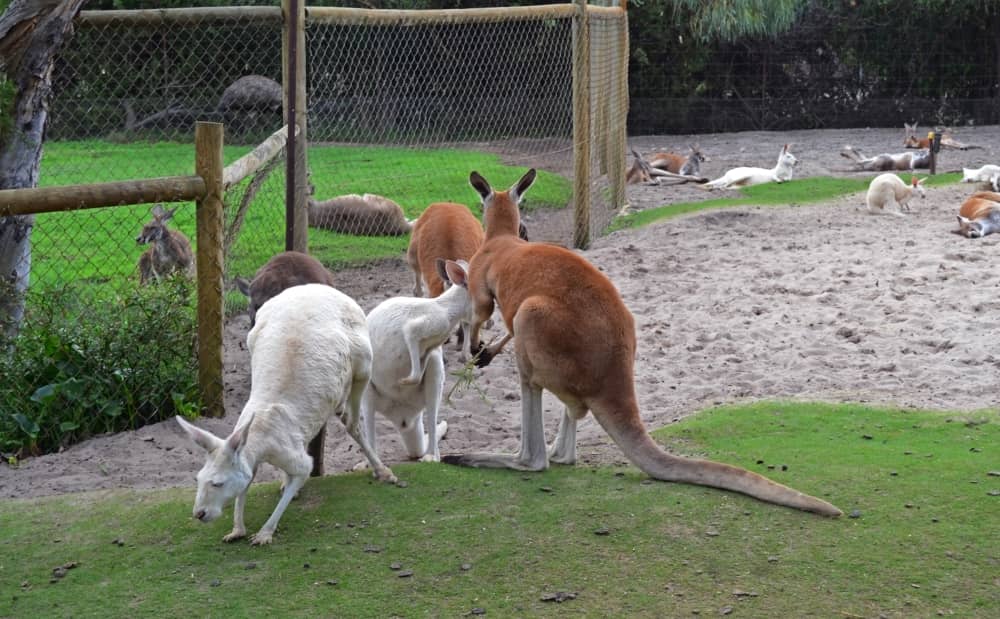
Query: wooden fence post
208	165
619	114
581	126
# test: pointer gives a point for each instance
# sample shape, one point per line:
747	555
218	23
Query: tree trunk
31	33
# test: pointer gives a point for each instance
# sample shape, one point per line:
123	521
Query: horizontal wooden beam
190	16
384	17
75	197
255	159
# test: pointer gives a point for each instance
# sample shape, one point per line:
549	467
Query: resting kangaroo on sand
574	336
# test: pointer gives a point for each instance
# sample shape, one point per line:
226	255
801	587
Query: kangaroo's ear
243	285
480	185
158	211
238	439
522	231
442	272
521	186
203	438
457	274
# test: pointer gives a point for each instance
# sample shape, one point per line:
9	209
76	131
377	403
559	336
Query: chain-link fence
403	105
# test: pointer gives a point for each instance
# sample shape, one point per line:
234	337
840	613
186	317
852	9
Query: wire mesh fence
403	109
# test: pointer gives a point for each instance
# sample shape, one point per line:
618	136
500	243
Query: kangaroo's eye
217	484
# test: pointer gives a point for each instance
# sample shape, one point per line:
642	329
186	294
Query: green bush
83	366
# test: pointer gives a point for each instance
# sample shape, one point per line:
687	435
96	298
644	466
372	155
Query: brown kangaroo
171	250
574	336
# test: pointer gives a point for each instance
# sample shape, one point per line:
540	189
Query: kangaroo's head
156	229
456	273
500	208
918	186
786	158
225	474
697	155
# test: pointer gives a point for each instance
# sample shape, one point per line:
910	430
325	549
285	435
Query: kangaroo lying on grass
369	215
986	174
574	336
979	215
310	359
408	366
745	177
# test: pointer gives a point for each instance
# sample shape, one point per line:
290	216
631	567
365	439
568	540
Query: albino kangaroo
986	174
369	215
171	250
408	366
979	215
745	177
284	270
685	165
887	162
310	358
574	336
888	189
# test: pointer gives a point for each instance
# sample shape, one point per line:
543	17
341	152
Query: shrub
83	366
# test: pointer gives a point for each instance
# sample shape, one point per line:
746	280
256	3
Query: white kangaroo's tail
643	451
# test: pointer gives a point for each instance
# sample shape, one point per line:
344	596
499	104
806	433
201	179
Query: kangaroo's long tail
643	451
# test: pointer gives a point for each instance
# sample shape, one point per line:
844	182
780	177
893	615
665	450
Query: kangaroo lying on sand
979	215
887	162
574	336
986	174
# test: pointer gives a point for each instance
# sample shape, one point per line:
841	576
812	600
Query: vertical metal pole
581	126
208	165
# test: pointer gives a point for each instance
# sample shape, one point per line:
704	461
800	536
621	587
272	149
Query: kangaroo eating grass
310	359
574	337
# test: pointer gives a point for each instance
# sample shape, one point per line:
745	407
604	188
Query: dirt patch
819	302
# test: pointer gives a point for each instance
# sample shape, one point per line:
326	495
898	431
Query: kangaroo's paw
410	380
430	458
234	535
261	538
360	466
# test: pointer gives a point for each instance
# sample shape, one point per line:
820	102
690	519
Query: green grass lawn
801	191
97	247
923	541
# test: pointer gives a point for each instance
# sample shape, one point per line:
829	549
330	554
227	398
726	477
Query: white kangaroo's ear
963	221
203	438
238	438
457	273
442	272
521	186
480	185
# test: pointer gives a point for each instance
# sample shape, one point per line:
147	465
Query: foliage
500	541
84	365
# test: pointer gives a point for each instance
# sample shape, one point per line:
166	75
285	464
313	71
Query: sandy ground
818	302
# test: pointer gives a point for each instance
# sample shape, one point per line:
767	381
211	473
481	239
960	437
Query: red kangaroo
574	336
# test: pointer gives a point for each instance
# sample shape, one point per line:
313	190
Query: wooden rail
74	197
255	159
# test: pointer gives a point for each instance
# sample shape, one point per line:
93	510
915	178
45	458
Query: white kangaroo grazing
745	177
310	359
574	337
986	174
408	367
888	189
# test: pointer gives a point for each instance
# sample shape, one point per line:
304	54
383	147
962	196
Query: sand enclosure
816	302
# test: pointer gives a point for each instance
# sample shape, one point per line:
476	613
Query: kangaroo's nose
200	515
